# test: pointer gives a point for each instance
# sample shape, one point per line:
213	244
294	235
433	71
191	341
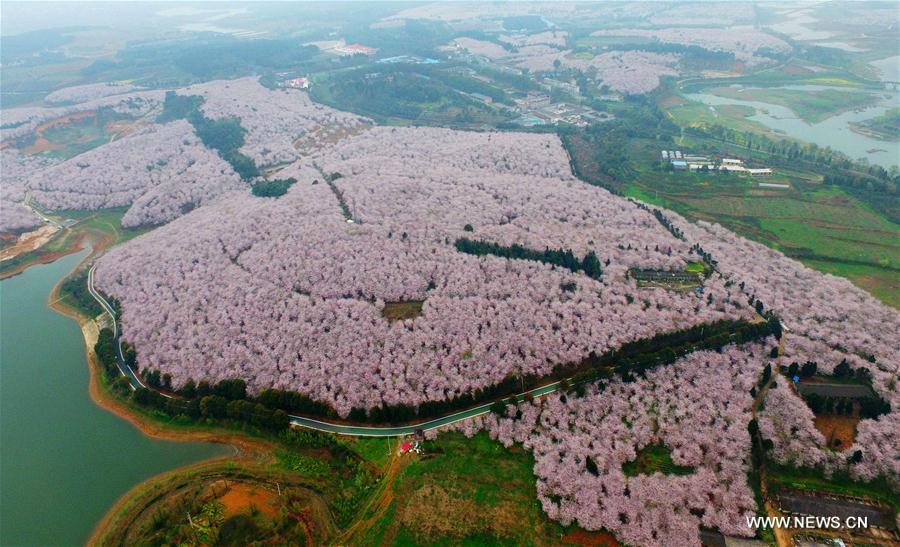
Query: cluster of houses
687	162
296	83
539	109
412	444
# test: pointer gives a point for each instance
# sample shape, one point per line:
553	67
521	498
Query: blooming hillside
287	293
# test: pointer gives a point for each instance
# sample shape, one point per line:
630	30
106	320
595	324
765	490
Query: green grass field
652	459
76	137
464	492
813	106
824	227
695	114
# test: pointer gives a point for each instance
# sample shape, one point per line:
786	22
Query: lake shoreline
42	257
245	447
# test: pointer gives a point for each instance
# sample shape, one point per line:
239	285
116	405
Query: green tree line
564	258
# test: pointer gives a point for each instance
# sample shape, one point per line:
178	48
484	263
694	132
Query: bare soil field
28	241
838	428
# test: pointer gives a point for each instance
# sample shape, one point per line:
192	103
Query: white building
759	172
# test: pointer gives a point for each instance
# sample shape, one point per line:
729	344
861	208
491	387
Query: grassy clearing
696	267
655	458
70	139
696	114
375	450
464	492
581	56
813	106
398	311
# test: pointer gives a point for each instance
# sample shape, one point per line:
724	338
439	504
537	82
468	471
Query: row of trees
869	407
224	400
636	358
214	408
842	370
564	258
662	218
629	362
805	370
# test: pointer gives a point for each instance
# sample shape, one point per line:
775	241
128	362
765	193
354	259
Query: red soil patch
41	144
8	238
796	69
47	257
841	428
590	539
28	242
241	496
671	100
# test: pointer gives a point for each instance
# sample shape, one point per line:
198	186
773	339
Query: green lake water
63	460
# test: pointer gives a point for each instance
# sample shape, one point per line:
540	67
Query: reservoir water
63	460
834	131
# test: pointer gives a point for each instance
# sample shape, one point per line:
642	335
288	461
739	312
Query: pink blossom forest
288	293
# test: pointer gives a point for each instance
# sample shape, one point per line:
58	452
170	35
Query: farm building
732	161
297	83
680	165
759	172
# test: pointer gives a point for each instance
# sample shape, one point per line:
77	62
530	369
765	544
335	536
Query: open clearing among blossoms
286	293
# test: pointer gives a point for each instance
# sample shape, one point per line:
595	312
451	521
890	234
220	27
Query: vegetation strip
225	136
564	258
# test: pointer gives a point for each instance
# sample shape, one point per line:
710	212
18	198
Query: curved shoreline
245	447
45	258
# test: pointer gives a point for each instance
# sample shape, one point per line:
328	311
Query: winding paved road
133	379
341	429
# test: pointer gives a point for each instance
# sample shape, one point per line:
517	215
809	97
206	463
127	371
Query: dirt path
783	538
379	504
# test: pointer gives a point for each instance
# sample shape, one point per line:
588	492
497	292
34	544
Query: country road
133	379
299	421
